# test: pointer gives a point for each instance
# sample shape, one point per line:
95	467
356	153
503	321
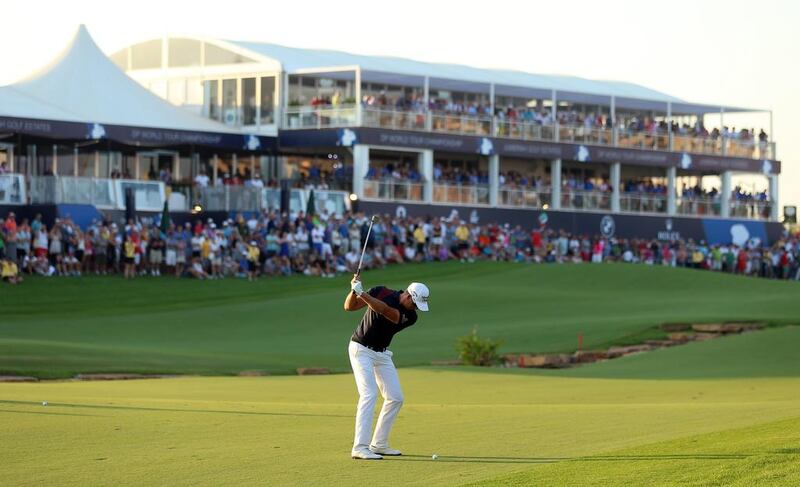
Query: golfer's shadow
595	458
462	459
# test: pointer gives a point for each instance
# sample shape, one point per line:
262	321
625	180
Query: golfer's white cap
419	294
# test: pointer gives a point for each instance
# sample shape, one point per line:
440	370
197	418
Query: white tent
16	104
83	85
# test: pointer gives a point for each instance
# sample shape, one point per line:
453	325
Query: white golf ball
44	403
434	456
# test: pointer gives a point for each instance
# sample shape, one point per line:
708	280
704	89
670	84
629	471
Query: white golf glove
357	288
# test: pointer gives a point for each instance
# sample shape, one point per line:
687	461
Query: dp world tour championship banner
711	230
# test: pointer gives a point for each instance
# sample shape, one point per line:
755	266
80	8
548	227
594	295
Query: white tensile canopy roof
395	70
83	85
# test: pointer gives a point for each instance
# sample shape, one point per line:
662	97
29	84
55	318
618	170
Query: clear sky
727	52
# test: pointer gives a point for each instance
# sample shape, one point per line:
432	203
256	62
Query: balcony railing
480	125
392	189
585	200
643	202
461	193
461	124
698	206
246	199
102	193
524	197
394	119
12	189
232	198
319	117
757	210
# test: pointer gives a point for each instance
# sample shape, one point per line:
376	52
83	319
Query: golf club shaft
361	260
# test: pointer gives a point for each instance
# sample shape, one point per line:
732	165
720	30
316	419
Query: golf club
369	230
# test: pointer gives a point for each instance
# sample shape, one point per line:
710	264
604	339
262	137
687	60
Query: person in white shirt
317	238
352	259
201	180
252	223
301	238
256	181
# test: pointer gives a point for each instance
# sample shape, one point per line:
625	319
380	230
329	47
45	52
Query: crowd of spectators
580	125
271	244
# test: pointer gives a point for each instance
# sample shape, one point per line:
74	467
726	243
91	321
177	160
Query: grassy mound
60	327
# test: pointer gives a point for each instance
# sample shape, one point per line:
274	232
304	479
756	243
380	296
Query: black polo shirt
375	330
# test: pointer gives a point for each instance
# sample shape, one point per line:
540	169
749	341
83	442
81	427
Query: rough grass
54	328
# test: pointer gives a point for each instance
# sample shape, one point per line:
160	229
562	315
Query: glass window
184	52
212	92
229	102
184	173
103	164
249	102
120	58
111	164
217	55
194	94
267	100
128	168
146	55
65	160
85	164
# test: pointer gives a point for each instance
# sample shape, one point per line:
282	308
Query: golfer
387	313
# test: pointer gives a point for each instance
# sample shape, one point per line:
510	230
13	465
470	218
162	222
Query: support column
493	127
616	170
283	96
426	169
669	125
722	137
359	112
427	100
214	169
556	134
725	195
555	184
774	213
671	202
613	115
494	179
360	168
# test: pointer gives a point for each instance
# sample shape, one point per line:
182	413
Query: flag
165	219
311	206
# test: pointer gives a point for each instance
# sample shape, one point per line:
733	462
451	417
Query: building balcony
306	117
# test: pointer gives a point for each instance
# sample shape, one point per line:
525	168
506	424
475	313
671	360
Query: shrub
474	350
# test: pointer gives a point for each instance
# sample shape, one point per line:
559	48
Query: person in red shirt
10	224
741	262
536	239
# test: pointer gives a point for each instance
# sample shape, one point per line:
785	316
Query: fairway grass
59	327
486	427
720	412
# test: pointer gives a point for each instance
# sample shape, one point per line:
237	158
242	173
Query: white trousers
374	371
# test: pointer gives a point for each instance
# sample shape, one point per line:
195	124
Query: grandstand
396	135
